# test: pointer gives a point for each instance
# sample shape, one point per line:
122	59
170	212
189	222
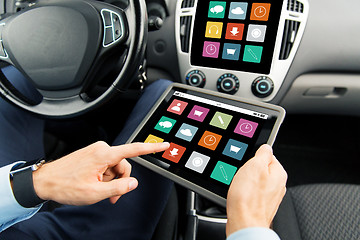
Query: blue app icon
235	149
186	132
238	10
231	51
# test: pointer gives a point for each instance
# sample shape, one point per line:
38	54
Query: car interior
302	55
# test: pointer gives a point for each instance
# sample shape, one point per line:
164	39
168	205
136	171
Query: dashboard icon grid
237	11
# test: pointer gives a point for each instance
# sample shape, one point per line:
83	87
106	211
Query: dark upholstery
320	211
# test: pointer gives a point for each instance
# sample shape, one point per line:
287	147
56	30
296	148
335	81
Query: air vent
187	3
290	31
295	6
185	27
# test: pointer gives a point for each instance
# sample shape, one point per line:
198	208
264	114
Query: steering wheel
77	53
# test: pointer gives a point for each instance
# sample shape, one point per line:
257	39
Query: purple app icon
211	49
198	113
246	128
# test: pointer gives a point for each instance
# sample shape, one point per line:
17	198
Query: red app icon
174	152
177	107
234	31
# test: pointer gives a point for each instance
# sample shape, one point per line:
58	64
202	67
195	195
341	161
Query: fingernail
133	184
166	144
268	147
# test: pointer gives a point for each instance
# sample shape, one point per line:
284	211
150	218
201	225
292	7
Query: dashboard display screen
235	35
210	137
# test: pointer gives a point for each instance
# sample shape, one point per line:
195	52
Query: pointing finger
135	149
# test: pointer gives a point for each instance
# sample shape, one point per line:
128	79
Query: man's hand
91	174
256	192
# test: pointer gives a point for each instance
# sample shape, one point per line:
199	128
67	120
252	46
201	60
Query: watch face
235	35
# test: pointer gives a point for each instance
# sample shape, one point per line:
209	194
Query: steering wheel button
117	27
108	38
115	18
106	17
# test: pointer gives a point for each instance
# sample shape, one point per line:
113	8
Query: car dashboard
313	68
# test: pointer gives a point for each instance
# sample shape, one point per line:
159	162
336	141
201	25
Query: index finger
136	149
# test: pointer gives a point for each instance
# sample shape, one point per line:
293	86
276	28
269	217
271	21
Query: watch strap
23	188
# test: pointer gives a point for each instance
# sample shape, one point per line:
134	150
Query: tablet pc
211	136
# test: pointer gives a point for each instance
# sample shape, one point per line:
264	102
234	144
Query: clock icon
210	140
260	11
246	127
211	49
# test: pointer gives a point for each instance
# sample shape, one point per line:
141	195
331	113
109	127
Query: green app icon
216	9
221	120
252	53
223	172
165	124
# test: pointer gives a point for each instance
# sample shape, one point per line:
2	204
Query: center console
241	48
244	48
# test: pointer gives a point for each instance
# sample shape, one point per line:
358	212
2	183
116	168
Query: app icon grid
237	11
198	161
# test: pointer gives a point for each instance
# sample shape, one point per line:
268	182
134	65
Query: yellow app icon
213	29
153	139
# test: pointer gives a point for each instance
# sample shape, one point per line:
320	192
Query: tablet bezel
182	181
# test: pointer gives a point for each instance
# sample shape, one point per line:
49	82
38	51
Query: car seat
319	211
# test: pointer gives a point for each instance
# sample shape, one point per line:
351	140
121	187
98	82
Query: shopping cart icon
198	113
234	149
231	51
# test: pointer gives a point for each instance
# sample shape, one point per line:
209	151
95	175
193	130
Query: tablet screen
210	137
235	35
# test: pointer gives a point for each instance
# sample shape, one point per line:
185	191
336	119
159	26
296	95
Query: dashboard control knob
228	83
196	78
262	87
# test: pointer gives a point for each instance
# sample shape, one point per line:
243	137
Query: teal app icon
216	9
252	54
223	172
165	124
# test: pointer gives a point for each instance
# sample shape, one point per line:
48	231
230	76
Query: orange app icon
260	11
210	140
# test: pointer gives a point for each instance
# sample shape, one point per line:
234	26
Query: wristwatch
22	183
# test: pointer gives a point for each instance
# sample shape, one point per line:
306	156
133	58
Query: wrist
234	225
41	186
